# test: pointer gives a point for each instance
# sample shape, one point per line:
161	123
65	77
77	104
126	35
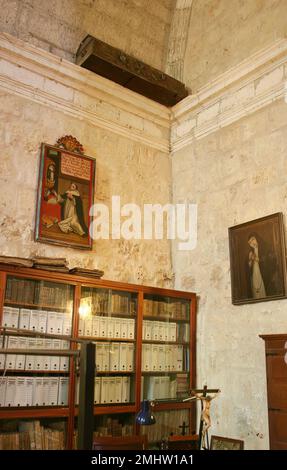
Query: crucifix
183	427
205	420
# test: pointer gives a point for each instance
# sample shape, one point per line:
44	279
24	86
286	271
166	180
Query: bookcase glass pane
106	303
39	293
33	434
118	424
109	316
34	311
167	423
165	348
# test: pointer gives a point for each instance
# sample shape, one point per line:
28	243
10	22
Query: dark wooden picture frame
225	443
65	195
258	260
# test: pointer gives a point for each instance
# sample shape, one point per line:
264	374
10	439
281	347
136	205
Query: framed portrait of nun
258	260
65	195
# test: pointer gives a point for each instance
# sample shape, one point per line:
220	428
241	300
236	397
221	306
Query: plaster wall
222	33
138	27
42	99
234	175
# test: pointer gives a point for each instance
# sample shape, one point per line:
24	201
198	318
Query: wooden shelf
153	341
113	314
78	284
116	372
28	305
164	372
165	319
114	340
116	408
25	372
34	412
172	405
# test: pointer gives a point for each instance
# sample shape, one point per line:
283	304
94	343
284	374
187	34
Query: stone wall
223	33
234	175
42	99
139	27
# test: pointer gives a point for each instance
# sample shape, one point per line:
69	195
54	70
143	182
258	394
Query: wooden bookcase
276	374
145	349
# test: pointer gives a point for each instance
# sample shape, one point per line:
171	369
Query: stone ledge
35	74
242	90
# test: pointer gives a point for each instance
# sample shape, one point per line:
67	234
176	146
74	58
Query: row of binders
115	357
31	362
41	321
159	330
33	391
162	357
159	387
110	390
107	327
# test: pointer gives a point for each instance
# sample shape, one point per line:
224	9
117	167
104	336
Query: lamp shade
145	416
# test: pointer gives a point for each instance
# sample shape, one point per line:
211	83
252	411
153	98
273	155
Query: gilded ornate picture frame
258	260
65	195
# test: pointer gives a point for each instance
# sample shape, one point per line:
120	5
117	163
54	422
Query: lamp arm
190	398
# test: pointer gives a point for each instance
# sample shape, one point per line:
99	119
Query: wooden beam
114	64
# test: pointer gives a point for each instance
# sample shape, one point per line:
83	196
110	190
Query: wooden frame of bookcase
71	411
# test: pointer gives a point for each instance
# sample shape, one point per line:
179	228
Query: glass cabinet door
165	348
110	425
108	317
167	423
33	434
33	309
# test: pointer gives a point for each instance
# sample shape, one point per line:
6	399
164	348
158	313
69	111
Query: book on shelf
94	273
48	267
14	261
43	260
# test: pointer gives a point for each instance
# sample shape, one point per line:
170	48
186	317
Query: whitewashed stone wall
43	98
139	27
223	33
230	147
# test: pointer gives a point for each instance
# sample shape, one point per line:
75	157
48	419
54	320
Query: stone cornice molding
242	90
33	73
37	75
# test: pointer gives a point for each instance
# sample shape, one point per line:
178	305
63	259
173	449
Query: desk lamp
145	415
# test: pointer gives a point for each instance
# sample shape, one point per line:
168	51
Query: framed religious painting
225	443
258	260
65	194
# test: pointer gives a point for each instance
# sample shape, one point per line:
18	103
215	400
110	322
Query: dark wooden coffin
114	64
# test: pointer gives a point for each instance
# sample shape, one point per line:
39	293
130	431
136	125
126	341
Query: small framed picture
258	260
225	443
65	195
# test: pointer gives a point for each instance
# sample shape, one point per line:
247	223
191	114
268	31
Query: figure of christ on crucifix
205	420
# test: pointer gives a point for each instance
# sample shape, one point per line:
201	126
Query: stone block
268	81
185	127
23	75
9	10
131	120
207	114
59	90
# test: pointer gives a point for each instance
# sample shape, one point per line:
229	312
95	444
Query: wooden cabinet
145	349
276	369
